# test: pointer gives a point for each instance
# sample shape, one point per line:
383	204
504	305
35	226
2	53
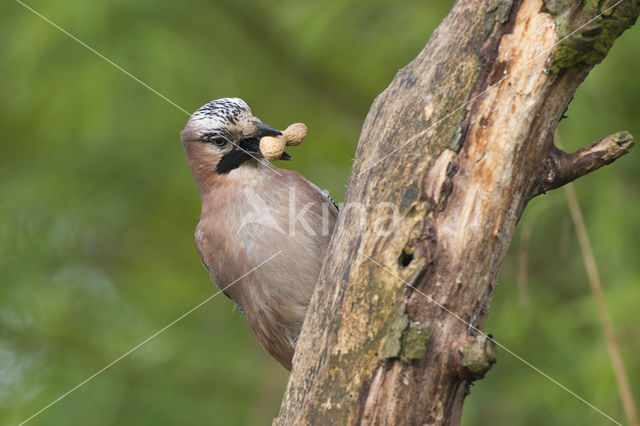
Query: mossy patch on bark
406	340
479	356
414	342
587	35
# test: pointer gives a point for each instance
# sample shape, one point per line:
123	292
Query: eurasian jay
251	211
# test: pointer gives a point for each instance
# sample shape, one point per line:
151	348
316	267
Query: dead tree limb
459	142
562	168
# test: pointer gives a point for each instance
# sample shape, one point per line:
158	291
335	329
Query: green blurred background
98	209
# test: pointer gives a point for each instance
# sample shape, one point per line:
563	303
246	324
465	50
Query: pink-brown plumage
249	214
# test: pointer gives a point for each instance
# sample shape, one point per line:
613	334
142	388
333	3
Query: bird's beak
266	130
251	143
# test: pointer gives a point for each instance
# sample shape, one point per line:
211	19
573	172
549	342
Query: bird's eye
218	141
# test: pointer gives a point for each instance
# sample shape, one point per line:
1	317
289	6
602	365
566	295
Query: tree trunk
449	156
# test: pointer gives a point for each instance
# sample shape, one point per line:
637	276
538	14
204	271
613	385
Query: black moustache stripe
231	160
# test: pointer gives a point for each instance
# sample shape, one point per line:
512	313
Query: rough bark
460	141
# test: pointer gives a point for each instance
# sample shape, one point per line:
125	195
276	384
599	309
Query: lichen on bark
457	146
414	342
406	340
587	34
479	356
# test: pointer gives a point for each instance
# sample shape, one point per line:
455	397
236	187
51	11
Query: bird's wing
326	195
199	245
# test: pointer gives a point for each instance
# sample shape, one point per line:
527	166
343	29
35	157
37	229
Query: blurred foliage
98	209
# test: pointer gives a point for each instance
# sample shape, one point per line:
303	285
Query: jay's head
225	134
